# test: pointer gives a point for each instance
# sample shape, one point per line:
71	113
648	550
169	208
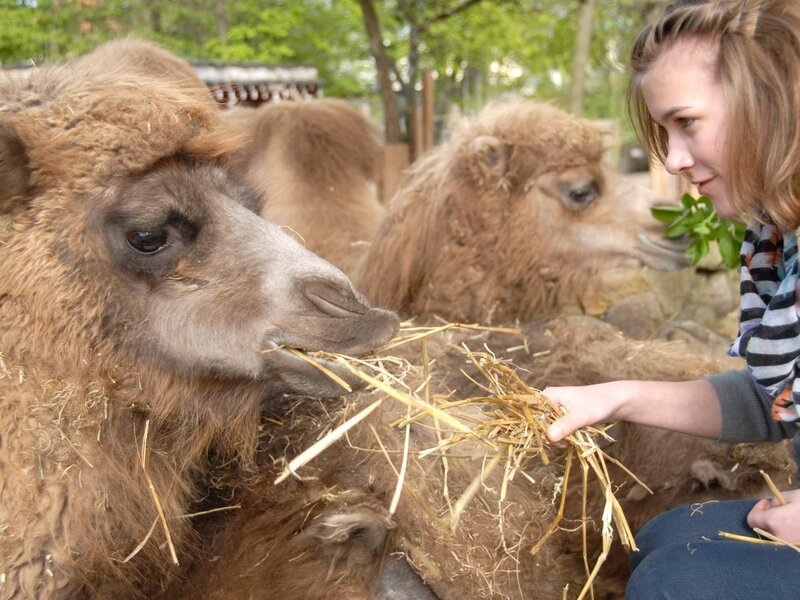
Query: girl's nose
678	159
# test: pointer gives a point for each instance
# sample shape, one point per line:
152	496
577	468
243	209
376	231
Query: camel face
220	290
124	213
512	218
602	219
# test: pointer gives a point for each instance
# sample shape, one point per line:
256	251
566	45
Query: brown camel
145	307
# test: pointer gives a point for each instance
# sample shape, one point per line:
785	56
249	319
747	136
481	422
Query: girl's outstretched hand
779	520
585	405
687	406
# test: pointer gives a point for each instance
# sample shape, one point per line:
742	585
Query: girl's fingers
555	432
563	427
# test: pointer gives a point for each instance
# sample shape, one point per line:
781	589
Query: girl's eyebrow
670	113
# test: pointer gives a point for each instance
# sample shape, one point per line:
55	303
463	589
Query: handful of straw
511	423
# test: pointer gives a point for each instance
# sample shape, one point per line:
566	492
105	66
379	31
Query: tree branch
446	14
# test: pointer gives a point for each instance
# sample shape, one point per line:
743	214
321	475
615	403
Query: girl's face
684	96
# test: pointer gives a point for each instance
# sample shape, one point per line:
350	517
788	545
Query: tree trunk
154	10
221	14
391	116
414	116
580	58
413	57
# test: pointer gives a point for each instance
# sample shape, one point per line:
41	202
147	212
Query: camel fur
486	555
139	292
509	219
317	164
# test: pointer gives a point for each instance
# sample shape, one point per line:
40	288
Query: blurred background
412	65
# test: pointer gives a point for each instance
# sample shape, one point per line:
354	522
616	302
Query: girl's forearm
688	406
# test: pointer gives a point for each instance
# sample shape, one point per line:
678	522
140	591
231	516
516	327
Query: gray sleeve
746	410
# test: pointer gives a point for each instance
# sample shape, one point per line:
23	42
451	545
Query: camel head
130	243
510	217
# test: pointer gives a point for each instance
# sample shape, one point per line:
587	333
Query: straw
322	368
156	501
775	491
402	476
771	539
511	422
320	446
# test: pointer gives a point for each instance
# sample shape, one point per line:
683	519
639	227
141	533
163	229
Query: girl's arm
689	407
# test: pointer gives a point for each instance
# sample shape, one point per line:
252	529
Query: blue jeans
682	557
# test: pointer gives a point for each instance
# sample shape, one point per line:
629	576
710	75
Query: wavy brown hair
758	66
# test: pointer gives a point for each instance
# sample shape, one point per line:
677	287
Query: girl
715	93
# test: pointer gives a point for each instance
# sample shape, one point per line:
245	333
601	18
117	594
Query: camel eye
579	195
147	242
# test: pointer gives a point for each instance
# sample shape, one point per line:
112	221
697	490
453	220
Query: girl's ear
15	174
488	159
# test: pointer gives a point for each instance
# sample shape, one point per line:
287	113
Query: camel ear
15	174
489	159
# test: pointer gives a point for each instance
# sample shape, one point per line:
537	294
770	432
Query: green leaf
697	219
666	214
693	250
677	229
729	249
702	230
719	231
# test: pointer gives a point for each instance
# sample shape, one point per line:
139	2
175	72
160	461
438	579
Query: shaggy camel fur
511	218
328	534
140	290
464	209
302	146
317	164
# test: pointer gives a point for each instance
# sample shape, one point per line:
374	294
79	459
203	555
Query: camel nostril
332	308
333	298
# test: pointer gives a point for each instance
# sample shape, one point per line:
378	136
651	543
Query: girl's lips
703	185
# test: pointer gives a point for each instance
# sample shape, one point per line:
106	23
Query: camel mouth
306	373
662	254
308	357
294	355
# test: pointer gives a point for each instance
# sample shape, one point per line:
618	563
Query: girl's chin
727	213
722	206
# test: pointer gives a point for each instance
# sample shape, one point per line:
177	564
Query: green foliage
697	219
492	48
323	33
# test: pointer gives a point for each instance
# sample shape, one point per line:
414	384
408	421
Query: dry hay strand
510	422
156	501
775	491
771	539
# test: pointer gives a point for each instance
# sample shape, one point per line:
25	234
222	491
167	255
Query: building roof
234	84
252	84
251	73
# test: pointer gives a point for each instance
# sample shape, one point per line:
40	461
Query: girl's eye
147	242
686	122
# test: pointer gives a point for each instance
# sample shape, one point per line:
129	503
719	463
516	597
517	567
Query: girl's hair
758	66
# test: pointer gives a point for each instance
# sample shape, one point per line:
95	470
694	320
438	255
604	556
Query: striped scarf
769	327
